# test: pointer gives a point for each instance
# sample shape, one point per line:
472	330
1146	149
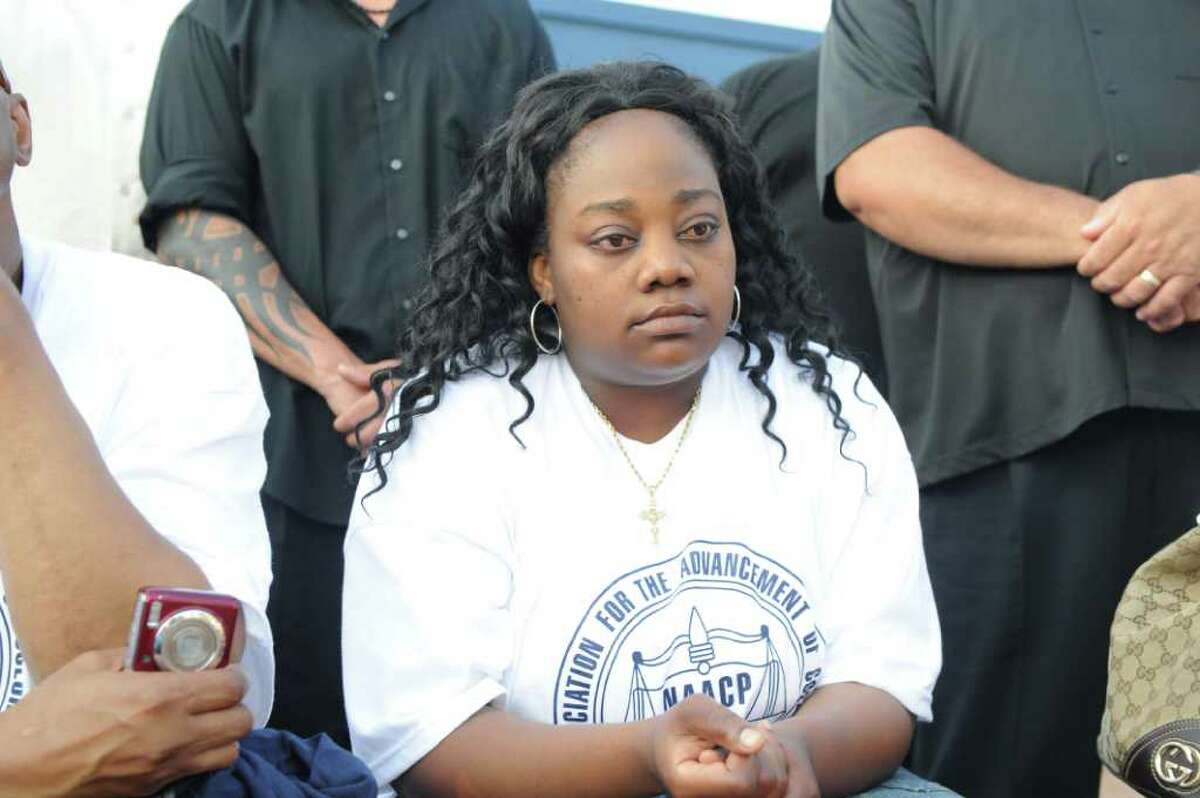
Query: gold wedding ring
1148	277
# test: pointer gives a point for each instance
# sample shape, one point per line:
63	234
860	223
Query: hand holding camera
95	729
92	729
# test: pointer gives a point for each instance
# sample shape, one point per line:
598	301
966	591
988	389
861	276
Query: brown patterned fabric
1154	675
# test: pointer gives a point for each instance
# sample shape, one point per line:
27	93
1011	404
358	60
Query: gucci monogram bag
1150	735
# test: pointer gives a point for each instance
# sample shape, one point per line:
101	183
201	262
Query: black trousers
305	610
1028	559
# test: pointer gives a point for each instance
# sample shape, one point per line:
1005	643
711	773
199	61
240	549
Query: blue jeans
903	784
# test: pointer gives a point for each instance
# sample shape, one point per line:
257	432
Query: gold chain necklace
652	514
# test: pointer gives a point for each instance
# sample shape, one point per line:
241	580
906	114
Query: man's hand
339	393
702	750
91	729
1191	306
367	404
1149	225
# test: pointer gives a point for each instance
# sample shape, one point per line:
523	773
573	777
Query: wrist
18	761
1076	211
791	736
643	735
325	378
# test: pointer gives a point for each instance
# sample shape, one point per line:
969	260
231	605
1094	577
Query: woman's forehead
631	148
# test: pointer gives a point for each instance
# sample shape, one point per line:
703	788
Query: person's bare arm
854	736
73	550
497	755
920	188
283	329
481	758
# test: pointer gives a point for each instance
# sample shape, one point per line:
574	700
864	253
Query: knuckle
153	761
174	690
236	681
243	723
225	757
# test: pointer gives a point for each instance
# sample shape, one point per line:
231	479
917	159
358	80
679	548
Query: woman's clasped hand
701	749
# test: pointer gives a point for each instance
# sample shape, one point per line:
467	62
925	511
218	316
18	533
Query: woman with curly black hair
631	525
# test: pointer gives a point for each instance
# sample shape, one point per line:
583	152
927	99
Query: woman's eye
700	231
613	241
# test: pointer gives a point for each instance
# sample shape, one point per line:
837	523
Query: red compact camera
181	630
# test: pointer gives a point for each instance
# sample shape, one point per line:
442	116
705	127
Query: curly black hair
474	313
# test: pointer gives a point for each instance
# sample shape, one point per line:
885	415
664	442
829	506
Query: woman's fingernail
750	737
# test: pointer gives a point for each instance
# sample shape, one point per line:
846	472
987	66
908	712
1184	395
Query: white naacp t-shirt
485	572
158	364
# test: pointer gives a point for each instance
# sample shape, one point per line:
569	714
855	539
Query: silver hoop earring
533	329
737	307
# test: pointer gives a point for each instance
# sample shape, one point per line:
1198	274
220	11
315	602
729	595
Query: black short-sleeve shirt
339	143
776	107
985	365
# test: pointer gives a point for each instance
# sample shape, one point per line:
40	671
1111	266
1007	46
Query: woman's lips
674	319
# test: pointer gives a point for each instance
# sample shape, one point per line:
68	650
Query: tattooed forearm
232	256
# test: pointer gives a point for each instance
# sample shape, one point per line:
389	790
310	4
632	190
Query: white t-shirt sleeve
187	450
881	623
427	636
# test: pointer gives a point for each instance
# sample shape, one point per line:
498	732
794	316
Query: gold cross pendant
653	516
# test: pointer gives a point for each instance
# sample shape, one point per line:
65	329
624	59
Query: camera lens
191	647
189	640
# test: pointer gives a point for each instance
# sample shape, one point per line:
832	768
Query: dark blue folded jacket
278	764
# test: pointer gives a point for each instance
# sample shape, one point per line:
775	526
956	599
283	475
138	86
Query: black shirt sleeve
875	77
195	152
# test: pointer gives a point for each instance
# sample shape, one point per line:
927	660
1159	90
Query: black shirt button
1121	158
1110	88
1097	31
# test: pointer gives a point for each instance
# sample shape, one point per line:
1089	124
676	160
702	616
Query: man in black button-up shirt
1026	169
776	108
299	153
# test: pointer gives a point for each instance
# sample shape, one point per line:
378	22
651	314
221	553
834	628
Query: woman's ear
22	129
539	276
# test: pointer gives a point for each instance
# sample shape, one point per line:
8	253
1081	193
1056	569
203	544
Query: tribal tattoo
229	254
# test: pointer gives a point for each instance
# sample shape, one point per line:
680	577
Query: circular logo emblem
1177	765
12	661
718	618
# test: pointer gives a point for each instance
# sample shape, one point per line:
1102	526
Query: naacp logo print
718	619
12	661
